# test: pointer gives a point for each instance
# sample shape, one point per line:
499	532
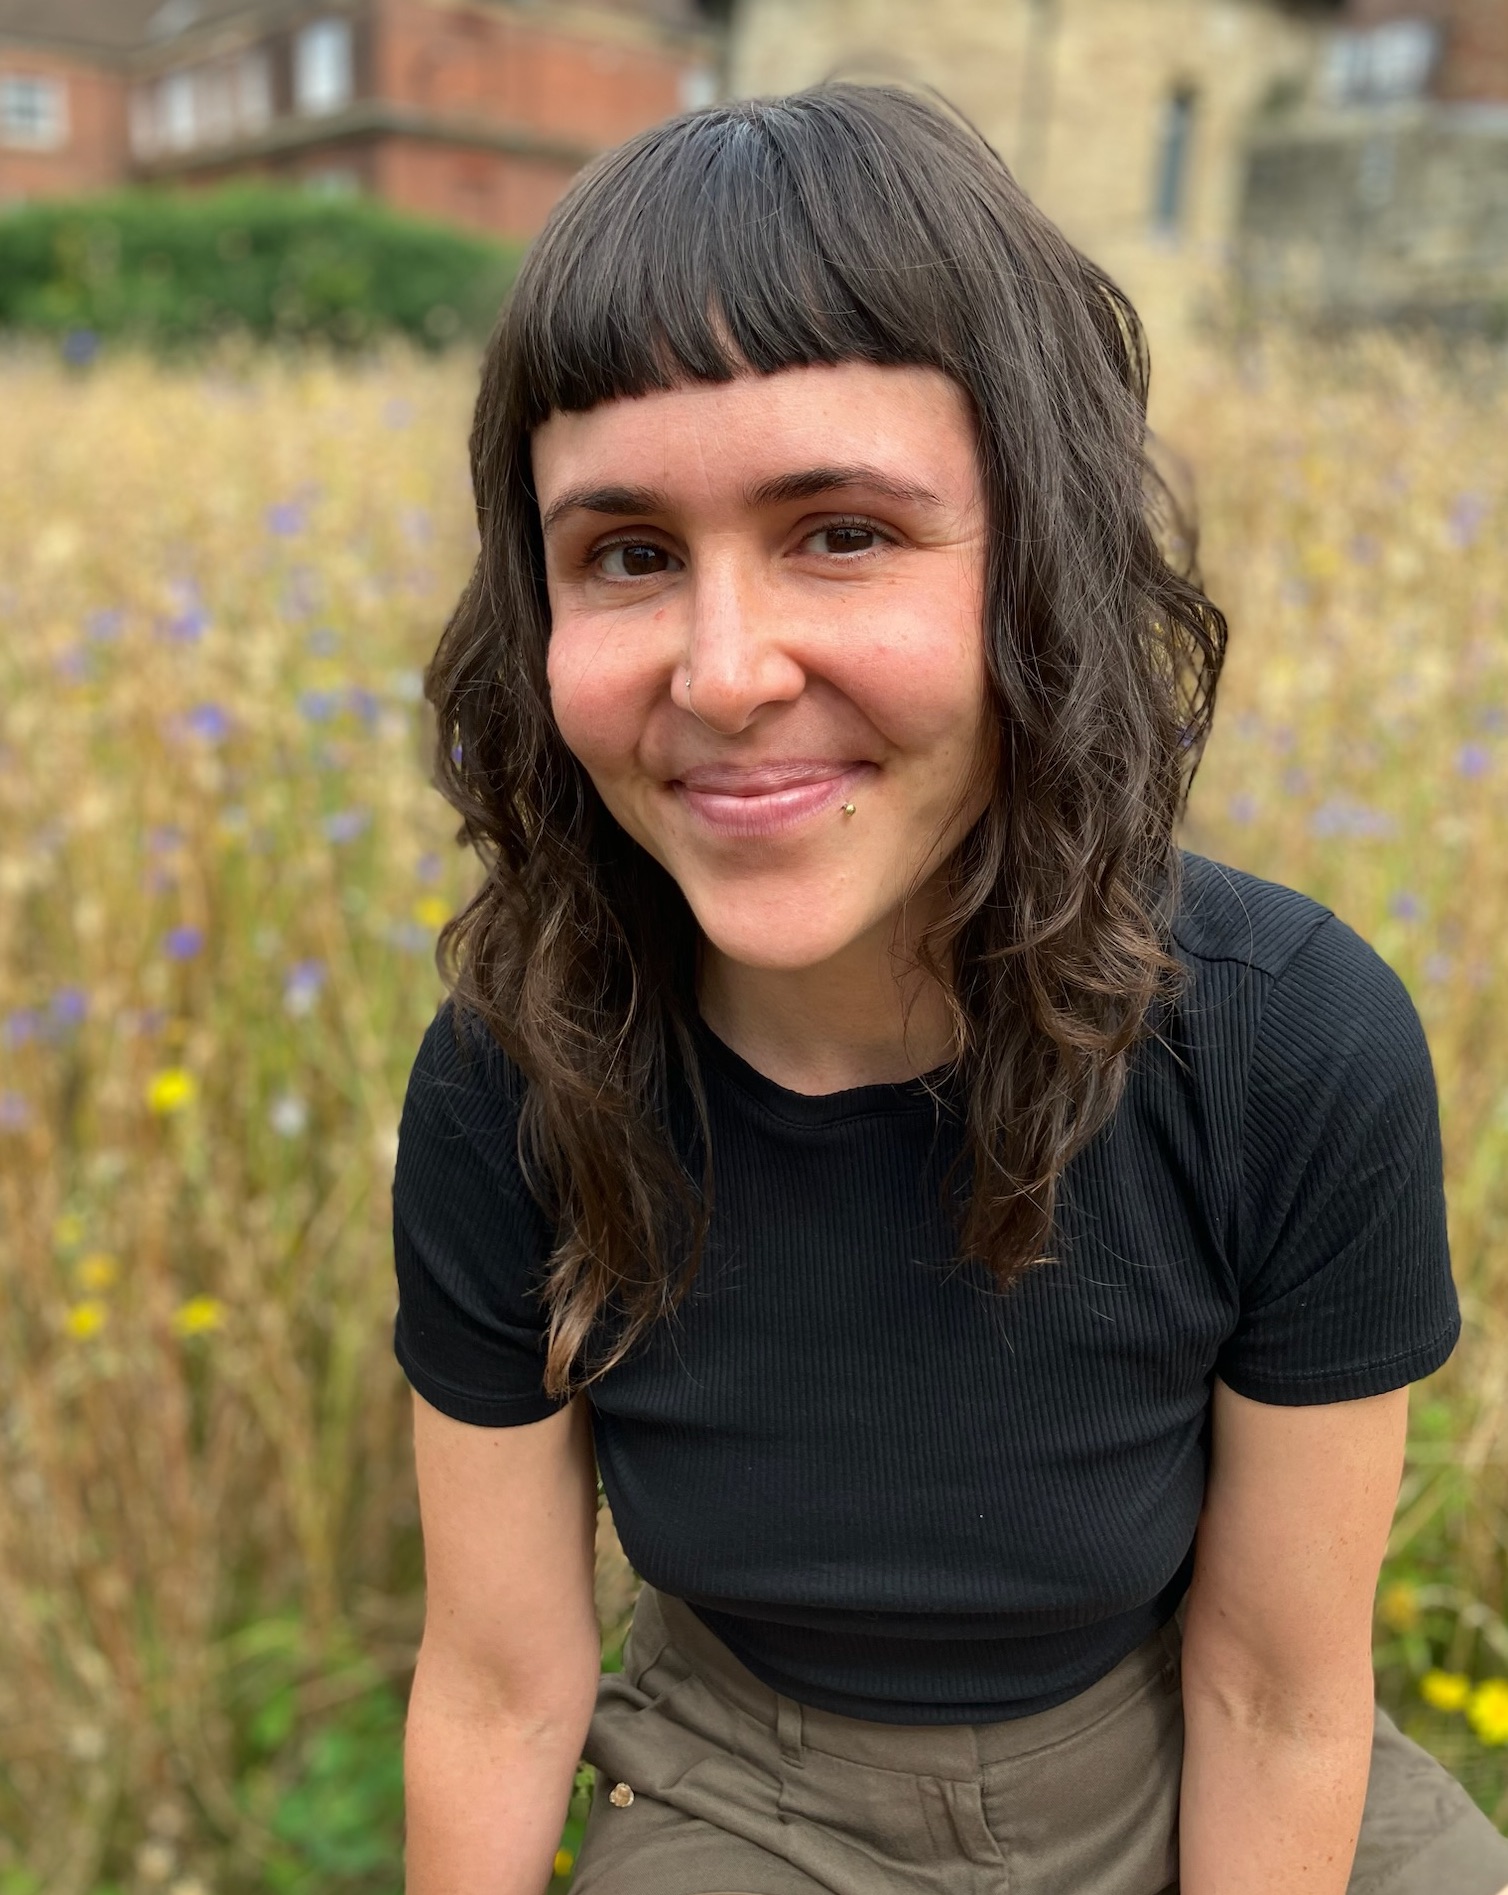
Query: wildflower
208	721
1445	1690
86	1319
188	626
318	706
288	1116
432	911
68	1006
1399	1608
1473	760
182	944
24	1024
15	1111
171	1090
1405	906
285	519
79	347
363	704
98	1271
428	867
564	1862
1487	1711
301	988
199	1315
67	1230
103	625
163	839
345	825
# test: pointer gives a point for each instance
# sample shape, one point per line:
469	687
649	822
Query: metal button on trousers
738	1788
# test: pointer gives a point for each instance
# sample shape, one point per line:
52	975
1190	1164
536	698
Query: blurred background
248	254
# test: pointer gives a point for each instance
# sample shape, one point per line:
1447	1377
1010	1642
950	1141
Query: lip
766	799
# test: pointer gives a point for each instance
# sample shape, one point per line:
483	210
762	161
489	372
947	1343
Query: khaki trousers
737	1788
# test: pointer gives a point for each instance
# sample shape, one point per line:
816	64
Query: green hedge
173	268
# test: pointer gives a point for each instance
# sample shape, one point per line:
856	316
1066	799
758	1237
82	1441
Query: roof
108	28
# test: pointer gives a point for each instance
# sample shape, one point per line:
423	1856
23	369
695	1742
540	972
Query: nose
740	654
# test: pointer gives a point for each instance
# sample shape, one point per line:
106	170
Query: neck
853	1020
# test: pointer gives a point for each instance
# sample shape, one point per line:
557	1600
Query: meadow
222	870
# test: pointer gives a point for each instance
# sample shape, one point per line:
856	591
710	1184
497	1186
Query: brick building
475	111
1384	193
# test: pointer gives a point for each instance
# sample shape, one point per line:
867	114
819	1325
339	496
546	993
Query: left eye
852	538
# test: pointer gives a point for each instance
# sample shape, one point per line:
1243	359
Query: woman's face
810	547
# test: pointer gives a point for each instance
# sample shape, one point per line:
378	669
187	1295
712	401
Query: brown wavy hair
845	223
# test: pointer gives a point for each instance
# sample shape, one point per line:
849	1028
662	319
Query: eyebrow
803	484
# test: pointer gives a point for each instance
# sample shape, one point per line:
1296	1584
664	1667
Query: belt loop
788	1729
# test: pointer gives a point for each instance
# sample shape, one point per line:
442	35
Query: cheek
920	671
600	693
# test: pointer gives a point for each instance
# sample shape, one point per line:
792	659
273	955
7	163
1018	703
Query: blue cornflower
302	984
1406	906
24	1024
80	346
346	824
69	1005
1473	759
364	704
209	721
318	706
182	944
285	518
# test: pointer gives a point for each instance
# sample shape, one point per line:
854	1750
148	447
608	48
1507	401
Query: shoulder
461	1110
1227	916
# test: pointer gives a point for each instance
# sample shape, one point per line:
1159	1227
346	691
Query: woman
984	1250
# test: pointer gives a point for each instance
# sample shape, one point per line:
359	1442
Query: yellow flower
98	1270
171	1090
67	1230
85	1319
1445	1690
433	911
564	1862
1399	1608
199	1315
1487	1711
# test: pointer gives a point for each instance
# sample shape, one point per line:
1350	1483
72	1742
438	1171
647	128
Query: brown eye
636	559
845	539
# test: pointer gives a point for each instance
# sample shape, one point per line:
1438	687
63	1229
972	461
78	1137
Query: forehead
913	422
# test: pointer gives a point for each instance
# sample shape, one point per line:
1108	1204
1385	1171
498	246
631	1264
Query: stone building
1126	119
1383	193
475	111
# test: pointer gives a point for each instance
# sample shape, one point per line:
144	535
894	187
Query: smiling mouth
767	800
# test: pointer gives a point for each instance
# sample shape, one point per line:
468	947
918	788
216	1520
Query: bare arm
507	1671
1277	1653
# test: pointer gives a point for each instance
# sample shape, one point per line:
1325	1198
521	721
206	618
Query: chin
776	939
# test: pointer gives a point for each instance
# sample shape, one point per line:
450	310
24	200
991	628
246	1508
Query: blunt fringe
844	223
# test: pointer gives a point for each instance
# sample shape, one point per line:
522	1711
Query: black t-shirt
891	1491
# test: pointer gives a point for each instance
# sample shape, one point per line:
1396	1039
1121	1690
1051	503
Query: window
322	66
253	90
1171	187
1383	65
33	112
177	121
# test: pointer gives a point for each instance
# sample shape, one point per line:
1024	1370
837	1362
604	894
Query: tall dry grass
221	872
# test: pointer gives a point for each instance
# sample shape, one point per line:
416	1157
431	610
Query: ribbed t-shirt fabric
890	1490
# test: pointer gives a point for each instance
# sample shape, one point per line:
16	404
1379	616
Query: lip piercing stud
848	809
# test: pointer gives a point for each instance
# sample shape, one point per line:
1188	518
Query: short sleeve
469	1241
1346	1286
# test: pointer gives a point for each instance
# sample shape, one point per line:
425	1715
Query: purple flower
455	753
22	1025
1243	808
105	624
15	1111
1341	816
1473	760
323	642
208	721
318	706
428	867
302	984
80	346
285	519
346	824
187	627
163	839
1466	518
1405	906
69	1005
182	944
363	704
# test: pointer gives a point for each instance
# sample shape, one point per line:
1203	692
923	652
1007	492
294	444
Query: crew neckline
880	1098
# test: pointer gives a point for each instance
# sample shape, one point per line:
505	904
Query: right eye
635	559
